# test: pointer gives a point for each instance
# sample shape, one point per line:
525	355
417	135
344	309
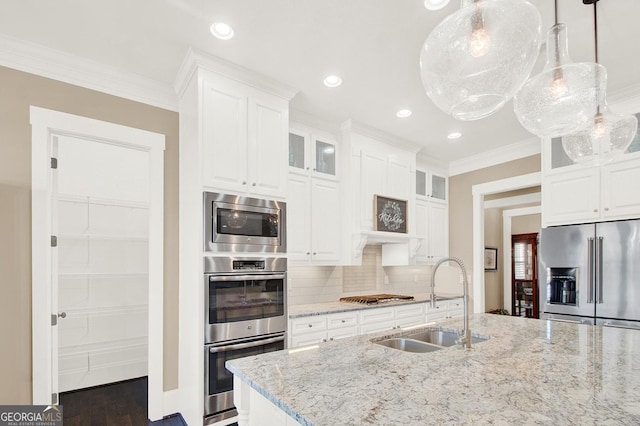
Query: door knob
62	315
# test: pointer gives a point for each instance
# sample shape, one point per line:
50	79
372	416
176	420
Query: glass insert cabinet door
312	153
432	185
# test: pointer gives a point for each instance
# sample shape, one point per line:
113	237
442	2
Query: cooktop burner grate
374	299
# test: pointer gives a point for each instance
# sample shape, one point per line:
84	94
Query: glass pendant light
565	95
475	60
607	134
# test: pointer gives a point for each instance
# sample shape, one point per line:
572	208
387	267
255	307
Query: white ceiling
373	44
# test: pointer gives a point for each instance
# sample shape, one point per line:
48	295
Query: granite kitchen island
529	372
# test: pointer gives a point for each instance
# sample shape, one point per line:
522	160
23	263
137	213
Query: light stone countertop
296	311
529	372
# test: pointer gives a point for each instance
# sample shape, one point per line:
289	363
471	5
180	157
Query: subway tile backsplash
318	284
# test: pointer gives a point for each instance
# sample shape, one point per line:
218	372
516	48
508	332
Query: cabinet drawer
456	308
413	310
441	306
437	315
308	339
342	319
410	321
342	333
308	324
375	315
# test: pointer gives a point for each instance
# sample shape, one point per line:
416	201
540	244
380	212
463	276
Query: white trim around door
479	191
507	216
46	123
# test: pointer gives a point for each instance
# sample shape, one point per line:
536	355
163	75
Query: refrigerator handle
590	268
599	243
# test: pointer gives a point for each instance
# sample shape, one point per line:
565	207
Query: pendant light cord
595	28
555	11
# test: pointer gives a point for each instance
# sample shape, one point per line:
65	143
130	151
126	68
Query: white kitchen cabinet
316	329
573	193
432	225
445	309
313	199
432	185
438	231
383	175
342	325
314	222
378	319
389	318
244	139
410	315
312	152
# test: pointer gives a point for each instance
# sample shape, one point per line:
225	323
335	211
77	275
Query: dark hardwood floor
115	404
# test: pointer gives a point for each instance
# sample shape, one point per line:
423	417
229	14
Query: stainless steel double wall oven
245	290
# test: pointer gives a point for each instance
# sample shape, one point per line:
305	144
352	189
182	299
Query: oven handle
217	349
246	277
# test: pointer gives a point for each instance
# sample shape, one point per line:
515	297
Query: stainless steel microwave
243	224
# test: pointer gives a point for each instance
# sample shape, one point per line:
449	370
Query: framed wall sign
490	259
390	214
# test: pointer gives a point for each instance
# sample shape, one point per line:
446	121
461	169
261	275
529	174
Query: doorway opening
524	275
97	254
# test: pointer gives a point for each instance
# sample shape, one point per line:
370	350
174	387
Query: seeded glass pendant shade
565	95
606	136
475	60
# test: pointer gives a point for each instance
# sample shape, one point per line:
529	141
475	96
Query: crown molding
195	60
496	156
61	66
362	129
626	101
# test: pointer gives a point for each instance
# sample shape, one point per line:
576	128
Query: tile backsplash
318	284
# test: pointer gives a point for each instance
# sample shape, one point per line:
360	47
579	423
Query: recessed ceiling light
404	113
221	30
435	4
454	135
332	81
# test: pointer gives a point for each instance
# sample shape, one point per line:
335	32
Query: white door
101	219
98	285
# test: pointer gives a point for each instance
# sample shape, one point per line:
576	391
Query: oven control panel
250	265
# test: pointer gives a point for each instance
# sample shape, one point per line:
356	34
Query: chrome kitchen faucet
465	340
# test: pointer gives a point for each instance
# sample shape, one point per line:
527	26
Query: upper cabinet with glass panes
312	153
556	158
431	185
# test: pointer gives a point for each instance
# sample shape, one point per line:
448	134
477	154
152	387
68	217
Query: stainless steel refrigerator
591	273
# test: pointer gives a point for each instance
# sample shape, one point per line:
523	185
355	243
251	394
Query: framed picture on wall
390	214
490	259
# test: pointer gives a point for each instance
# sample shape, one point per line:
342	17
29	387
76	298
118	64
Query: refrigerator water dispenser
562	286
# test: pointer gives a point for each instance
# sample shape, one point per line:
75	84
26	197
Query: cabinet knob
595	210
324	340
314	253
606	209
310	325
253	184
314	169
331	338
307	167
343	321
308	253
244	182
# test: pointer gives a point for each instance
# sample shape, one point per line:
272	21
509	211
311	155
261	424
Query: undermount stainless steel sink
428	340
441	337
409	345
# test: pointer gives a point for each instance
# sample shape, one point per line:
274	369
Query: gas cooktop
374	299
